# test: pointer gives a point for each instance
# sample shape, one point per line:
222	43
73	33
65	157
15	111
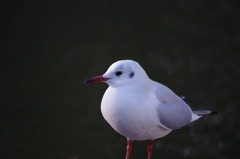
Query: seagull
140	108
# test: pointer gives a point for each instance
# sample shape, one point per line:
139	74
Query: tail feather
196	114
195	117
204	112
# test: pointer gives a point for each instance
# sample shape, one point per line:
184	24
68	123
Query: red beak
96	79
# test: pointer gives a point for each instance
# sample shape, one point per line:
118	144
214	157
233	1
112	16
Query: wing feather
173	112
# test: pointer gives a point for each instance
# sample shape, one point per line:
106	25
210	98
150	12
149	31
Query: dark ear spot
131	75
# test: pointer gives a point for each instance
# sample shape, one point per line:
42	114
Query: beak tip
87	81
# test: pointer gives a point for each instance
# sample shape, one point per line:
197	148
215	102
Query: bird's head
121	73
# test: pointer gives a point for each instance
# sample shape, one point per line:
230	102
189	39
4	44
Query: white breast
132	114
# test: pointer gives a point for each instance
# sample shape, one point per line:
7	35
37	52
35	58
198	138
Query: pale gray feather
203	112
173	112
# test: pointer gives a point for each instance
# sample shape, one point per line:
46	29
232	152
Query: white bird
140	108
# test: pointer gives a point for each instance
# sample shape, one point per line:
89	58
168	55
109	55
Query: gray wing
173	112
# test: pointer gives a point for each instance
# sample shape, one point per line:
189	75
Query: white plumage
140	108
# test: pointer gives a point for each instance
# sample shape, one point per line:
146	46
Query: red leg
150	148
128	148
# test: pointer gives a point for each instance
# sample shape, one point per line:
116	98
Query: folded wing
173	112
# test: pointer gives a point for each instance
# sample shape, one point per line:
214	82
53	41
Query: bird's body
127	114
140	108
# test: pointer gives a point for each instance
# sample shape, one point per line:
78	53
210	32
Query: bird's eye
118	73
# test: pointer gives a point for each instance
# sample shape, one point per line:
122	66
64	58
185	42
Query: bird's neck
139	86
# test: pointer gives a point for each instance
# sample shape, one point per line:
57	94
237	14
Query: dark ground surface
48	48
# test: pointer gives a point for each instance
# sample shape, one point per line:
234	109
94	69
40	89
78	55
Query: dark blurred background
48	49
